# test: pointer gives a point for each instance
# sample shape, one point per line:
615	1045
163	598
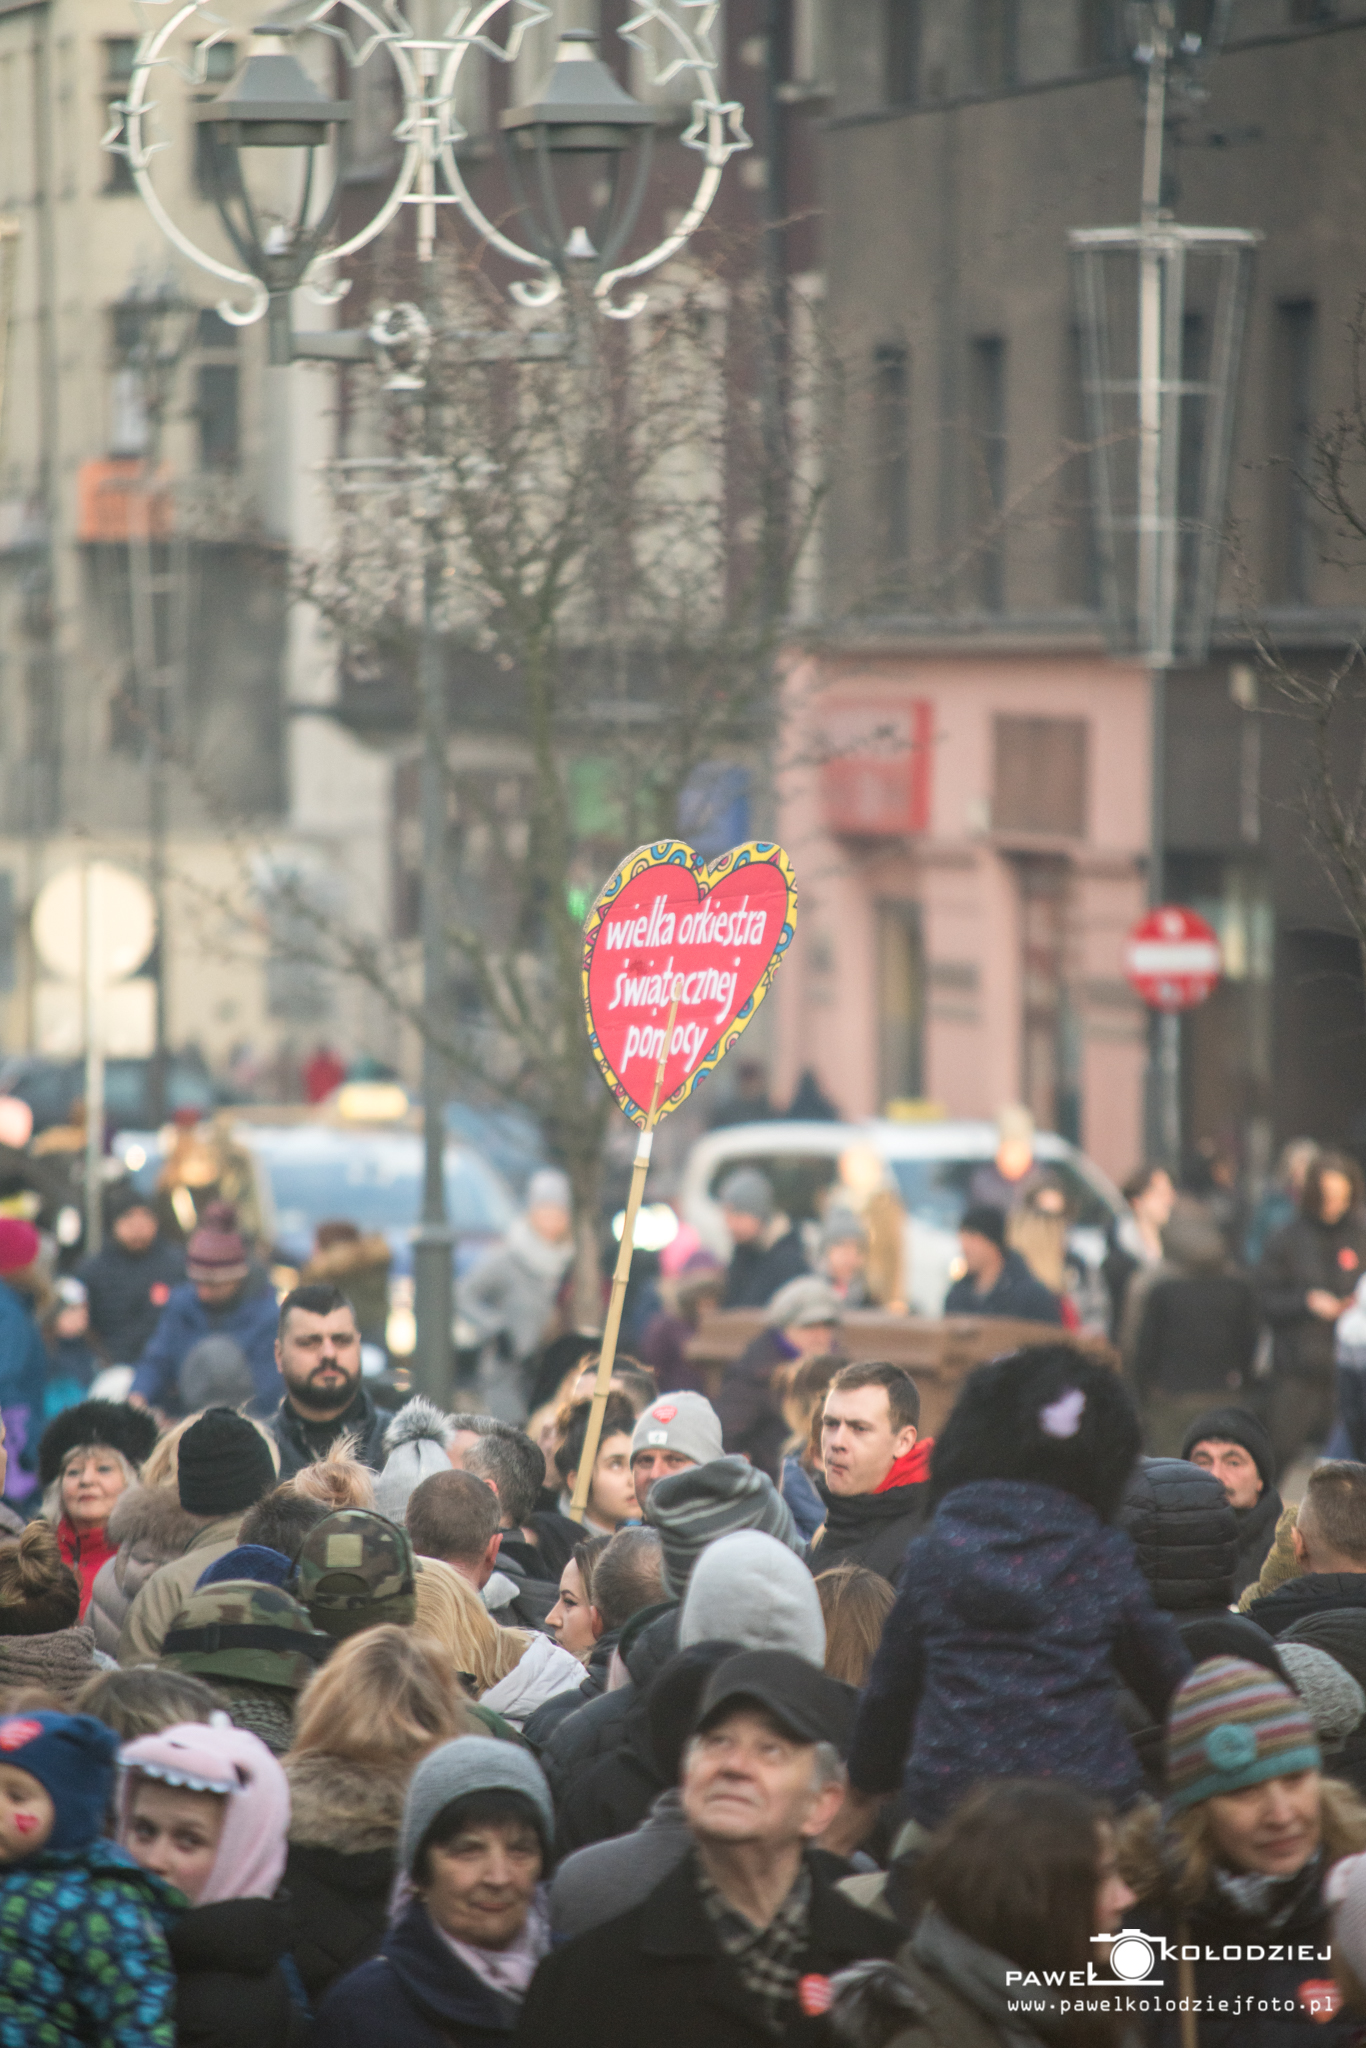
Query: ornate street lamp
581	119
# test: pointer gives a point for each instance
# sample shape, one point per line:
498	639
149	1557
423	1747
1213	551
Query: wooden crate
938	1351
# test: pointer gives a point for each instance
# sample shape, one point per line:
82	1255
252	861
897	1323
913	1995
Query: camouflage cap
244	1629
355	1570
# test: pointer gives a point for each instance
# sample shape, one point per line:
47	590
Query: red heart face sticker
1321	1998
668	923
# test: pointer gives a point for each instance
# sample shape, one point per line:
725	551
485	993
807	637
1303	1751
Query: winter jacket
231	1991
1256	1533
23	1377
662	1960
595	1884
945	1990
510	1295
1185	1534
148	1527
82	1933
613	1795
60	1662
85	1551
757	1270
303	1443
515	1601
542	1671
1229	1981
128	1291
250	1319
594	1730
1310	1593
664	1348
540	1726
752	1423
1303	1256
871	1529
799	1491
417	1994
1015	1293
1198	1321
160	1599
1017	1606
343	1850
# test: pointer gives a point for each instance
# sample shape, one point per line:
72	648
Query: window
1040	776
987	403
1296	541
995	44
901	52
891	468
220	61
900	1002
119	52
216	392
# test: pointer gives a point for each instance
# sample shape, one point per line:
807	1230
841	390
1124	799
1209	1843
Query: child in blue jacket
83	1955
1019	1603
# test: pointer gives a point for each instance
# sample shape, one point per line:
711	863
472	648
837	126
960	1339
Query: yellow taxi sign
372	1102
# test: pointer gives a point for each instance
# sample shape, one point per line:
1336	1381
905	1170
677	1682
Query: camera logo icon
1133	1957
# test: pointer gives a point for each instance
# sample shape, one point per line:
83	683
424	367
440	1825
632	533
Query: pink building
968	830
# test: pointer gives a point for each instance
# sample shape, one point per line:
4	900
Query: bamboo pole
608	1357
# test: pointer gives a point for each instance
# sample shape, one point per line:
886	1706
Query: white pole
91	993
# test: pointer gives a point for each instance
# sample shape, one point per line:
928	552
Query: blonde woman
384	1699
88	1456
508	1670
338	1480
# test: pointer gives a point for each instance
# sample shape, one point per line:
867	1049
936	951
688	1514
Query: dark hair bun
39	1592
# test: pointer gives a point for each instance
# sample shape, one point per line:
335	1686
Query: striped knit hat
692	1508
1231	1724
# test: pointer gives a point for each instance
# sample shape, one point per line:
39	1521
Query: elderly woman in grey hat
458	1960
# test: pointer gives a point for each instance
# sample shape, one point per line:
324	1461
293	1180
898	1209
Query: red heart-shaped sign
667	922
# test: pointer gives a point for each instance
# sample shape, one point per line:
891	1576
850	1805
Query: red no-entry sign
1172	958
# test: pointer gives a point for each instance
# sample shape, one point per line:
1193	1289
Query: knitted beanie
747	1588
1335	1701
72	1757
224	1465
19	1243
1233	1426
216	1252
749	1193
457	1770
691	1509
684	1423
255	1561
1232	1725
214	1373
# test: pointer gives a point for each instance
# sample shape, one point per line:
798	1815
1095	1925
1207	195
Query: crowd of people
324	1720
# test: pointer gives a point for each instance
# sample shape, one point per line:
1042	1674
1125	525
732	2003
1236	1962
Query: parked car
930	1165
49	1087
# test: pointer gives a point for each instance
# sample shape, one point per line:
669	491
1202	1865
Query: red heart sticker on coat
158	1294
668	923
1321	1999
814	1995
1348	1259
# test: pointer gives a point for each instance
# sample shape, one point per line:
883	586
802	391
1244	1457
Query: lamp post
582	118
1161	309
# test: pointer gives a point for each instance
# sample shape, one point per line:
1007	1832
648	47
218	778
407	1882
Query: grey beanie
470	1764
416	1443
214	1374
748	1589
1332	1696
549	1188
683	1422
804	1304
843	1226
691	1509
750	1192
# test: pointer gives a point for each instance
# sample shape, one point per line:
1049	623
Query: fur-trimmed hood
350	1807
340	1262
151	1521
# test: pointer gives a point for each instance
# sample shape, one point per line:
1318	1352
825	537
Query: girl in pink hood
206	1807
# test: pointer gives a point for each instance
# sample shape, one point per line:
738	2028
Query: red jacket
85	1553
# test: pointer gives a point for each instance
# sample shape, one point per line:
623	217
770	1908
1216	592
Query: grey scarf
978	1975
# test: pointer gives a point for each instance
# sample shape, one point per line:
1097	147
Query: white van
930	1165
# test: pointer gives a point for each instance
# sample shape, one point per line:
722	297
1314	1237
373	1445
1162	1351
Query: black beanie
224	1464
1233	1426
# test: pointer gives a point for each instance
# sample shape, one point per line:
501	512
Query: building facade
967	784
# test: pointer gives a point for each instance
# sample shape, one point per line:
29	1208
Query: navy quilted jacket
1018	1606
